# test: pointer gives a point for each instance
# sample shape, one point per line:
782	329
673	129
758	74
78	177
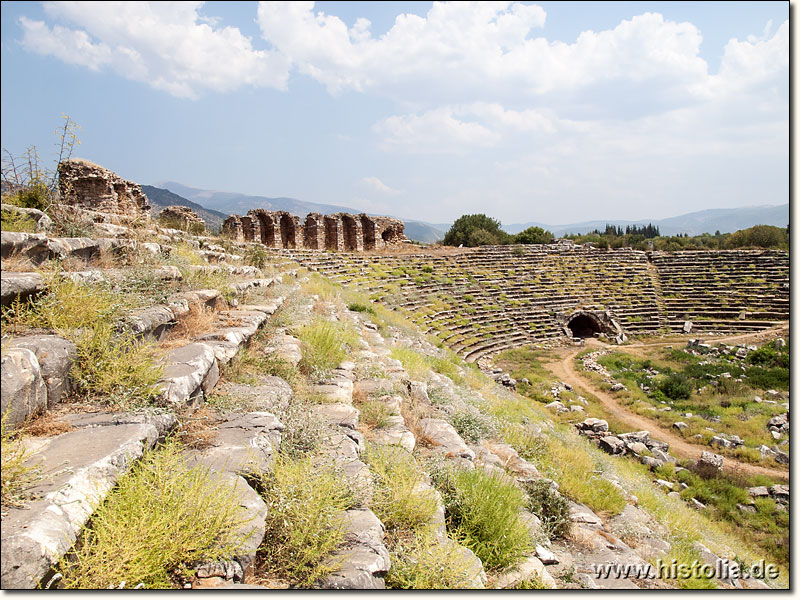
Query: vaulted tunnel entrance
584	326
288	232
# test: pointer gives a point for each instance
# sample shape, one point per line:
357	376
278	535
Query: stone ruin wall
85	185
340	232
183	215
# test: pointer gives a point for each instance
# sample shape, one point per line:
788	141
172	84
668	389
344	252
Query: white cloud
486	50
376	185
460	128
437	131
167	45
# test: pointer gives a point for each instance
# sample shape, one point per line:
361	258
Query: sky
554	112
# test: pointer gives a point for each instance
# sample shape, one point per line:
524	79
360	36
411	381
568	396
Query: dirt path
565	371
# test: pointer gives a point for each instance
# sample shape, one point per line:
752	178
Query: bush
768	356
358	307
256	256
550	506
767	379
304	429
36	195
107	363
16	221
396	500
116	367
161	518
426	563
675	386
473	426
483	514
304	524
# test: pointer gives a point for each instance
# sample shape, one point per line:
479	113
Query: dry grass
45	425
197	430
18	263
197	321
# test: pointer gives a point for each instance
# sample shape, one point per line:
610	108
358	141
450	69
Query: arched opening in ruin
312	232
267	230
368	230
584	325
349	233
288	231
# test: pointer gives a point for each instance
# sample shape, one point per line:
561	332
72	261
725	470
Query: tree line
481	230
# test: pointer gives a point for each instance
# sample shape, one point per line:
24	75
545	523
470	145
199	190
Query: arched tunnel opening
583	326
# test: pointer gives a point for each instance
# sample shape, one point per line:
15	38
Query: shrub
426	563
14	221
675	386
161	518
473	426
396	500
107	363
374	413
35	194
256	256
304	429
550	506
117	367
775	378
358	307
304	524
483	514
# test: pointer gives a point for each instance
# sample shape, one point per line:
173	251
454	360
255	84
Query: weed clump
305	519
473	426
17	476
483	514
109	363
162	518
550	506
358	307
325	345
397	502
676	387
425	563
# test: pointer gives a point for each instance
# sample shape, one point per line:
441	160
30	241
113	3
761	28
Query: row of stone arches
339	232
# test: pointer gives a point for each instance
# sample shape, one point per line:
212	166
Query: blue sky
554	112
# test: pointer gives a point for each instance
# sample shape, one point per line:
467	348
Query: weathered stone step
19	286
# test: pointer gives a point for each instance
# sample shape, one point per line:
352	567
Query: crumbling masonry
341	232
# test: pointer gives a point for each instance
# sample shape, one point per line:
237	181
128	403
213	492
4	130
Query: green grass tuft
325	345
483	514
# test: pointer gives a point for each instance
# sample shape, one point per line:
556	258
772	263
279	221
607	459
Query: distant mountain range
726	220
160	198
220	204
